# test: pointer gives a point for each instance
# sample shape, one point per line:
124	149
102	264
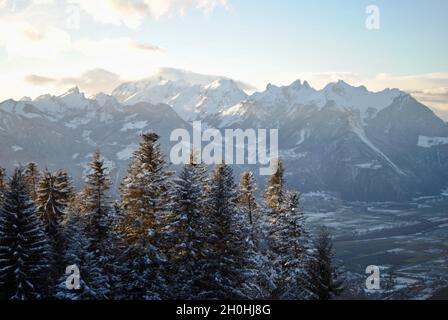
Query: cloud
39	80
132	13
145	46
117	50
22	39
91	81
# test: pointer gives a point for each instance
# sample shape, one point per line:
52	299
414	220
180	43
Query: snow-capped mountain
63	131
191	95
364	145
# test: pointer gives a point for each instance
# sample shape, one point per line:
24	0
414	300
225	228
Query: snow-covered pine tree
289	244
24	246
64	187
247	202
229	263
145	206
275	189
51	204
248	205
186	234
2	184
94	200
287	239
101	222
32	177
94	283
322	276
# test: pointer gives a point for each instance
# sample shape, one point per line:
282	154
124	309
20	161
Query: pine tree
2	184
32	177
228	264
95	202
322	279
94	283
24	246
186	233
63	185
275	190
246	200
51	204
96	207
248	205
289	246
145	203
287	239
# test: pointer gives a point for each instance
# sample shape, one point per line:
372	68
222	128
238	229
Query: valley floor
408	241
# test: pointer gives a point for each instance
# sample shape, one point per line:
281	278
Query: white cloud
22	39
132	13
92	81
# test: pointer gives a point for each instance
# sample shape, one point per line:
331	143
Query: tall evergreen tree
228	264
63	184
51	204
2	184
94	283
145	203
289	246
186	233
24	246
248	205
247	201
287	239
32	177
95	202
101	222
275	189
322	279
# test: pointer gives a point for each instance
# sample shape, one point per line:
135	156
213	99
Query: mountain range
362	145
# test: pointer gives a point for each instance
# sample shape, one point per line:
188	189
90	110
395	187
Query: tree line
195	235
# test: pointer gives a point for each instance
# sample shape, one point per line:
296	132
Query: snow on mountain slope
286	99
359	98
191	95
364	145
357	128
429	142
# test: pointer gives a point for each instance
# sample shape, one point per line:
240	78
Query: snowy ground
408	241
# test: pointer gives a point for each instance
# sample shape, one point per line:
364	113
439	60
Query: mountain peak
297	84
74	90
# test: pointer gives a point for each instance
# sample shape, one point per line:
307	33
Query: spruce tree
32	177
246	200
95	202
63	184
322	277
289	246
287	239
51	204
2	184
229	263
186	233
101	222
94	283
275	189
24	246
145	204
248	205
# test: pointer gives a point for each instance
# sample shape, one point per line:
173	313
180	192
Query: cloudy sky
48	46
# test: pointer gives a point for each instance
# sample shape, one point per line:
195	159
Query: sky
48	46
